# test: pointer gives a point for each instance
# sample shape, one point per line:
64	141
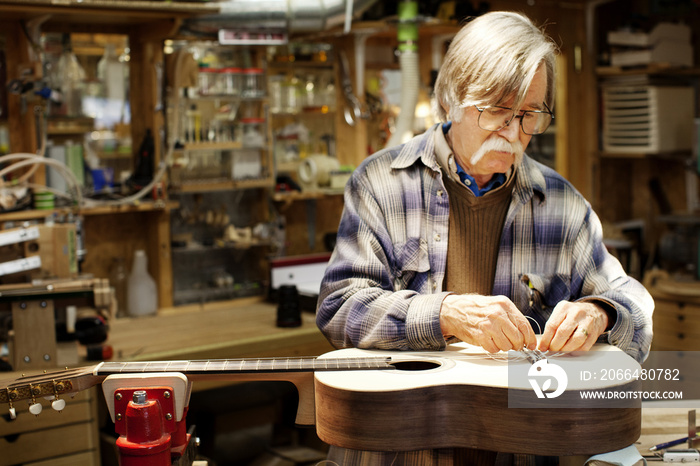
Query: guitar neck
75	380
244	366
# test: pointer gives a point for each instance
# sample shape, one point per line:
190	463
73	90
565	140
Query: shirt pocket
411	262
544	292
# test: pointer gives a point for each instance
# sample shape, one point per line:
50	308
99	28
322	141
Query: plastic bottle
141	288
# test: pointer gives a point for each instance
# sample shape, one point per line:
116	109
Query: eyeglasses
531	121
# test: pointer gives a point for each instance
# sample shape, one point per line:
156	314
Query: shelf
238	290
648	70
223	185
231	245
57	126
99	14
676	155
292	196
194	146
296	65
307	111
33	214
228	98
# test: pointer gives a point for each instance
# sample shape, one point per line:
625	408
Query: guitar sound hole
415	365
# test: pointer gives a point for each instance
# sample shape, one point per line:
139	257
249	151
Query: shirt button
439	193
436	237
468	182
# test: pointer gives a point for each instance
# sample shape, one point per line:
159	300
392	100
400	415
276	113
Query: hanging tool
353	109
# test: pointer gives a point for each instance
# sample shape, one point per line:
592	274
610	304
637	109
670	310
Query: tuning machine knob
13	411
57	404
34	407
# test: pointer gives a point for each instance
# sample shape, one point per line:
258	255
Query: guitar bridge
534	355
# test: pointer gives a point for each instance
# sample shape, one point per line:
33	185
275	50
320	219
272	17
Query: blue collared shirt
468	180
383	287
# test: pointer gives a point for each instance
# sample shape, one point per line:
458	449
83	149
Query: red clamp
149	418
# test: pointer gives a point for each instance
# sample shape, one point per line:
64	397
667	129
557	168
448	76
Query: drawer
676	326
677	340
88	458
44	444
677	309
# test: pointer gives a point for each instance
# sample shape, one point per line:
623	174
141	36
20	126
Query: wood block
34	341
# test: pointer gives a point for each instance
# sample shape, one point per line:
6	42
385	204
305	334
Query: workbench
244	328
662	422
247	328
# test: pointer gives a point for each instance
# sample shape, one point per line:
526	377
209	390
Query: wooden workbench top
233	329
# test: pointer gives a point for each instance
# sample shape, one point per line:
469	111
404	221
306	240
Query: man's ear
445	107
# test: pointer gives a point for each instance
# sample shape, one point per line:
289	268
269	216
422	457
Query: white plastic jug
142	292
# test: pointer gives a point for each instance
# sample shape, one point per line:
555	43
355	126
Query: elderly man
457	235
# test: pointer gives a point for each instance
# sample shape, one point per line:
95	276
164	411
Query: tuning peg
13	411
35	408
58	404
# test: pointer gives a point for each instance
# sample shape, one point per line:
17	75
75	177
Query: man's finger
577	340
552	326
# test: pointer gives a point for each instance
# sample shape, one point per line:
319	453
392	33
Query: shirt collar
447	161
497	180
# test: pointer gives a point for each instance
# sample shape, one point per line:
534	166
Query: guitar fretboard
60	382
246	366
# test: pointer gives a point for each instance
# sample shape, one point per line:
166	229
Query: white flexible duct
410	84
33	160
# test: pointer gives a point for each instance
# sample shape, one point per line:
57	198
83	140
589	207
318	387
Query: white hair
491	59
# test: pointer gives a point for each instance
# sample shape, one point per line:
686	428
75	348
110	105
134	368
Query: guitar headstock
47	385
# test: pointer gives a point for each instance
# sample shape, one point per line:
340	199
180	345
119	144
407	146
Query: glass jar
253	83
230	81
253	132
292	93
276	89
208	81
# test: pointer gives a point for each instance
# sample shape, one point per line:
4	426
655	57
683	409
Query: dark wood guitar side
464	405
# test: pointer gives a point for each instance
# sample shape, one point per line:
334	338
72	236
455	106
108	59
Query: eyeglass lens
531	122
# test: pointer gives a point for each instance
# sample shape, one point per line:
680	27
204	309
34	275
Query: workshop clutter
38	252
667	44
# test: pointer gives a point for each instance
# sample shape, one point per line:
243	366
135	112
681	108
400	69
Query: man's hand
492	322
573	327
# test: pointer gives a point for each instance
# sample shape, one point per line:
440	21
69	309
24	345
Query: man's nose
512	130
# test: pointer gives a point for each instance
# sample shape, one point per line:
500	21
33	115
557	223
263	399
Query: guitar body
460	398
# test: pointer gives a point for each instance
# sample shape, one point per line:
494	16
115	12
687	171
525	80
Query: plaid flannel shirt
383	287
